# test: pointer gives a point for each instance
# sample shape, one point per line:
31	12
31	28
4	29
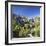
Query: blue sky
28	11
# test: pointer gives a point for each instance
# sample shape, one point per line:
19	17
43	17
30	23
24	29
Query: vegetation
24	27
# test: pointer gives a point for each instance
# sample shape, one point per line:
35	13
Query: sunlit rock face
19	19
22	20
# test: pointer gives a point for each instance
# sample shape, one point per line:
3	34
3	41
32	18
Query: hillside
23	27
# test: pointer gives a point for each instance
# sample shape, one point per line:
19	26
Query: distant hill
22	20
